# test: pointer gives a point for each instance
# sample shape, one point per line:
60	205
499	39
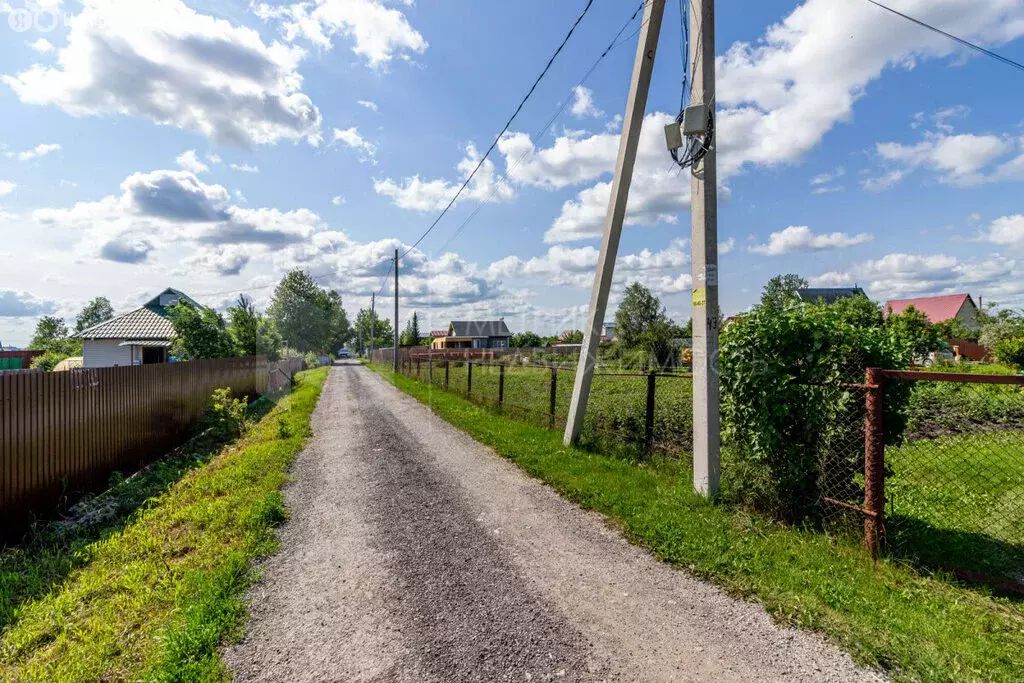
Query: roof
828	295
439	333
149	321
479	328
937	308
142	323
146	342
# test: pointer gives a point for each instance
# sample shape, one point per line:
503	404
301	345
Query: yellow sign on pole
699	296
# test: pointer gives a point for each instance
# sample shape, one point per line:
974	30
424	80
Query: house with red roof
940	308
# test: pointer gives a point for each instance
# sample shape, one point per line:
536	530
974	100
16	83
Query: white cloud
162	61
351	137
42	46
369	104
214	159
884	181
901	275
189	161
337	200
1007	230
40	150
800	238
431	195
244	168
780	95
829	176
20	304
958	159
583	103
378	33
726	247
569	161
6	187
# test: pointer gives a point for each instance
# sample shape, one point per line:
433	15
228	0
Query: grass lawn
617	406
151	596
916	627
958	502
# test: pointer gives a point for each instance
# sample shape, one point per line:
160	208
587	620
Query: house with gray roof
139	337
828	295
474	334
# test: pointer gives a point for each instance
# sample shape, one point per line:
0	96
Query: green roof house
138	337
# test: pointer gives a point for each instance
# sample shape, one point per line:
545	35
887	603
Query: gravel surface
414	553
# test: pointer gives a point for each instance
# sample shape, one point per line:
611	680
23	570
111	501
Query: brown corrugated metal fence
64	432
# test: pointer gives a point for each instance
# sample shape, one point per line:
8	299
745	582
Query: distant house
608	332
828	295
474	334
940	308
138	337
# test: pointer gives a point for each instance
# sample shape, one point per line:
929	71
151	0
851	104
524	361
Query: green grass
958	502
917	627
616	412
152	596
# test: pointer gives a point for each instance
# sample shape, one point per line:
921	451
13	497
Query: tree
781	289
1010	351
411	334
253	333
571	337
526	340
50	331
96	311
307	316
641	323
859	311
382	332
913	332
200	333
954	328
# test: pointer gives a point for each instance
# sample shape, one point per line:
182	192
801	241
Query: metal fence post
469	378
649	415
874	462
501	385
430	369
446	374
551	403
418	373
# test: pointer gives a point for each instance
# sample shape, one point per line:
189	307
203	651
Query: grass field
958	502
917	627
150	596
617	409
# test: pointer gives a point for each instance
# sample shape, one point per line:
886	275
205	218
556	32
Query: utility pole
628	142
704	235
373	320
396	312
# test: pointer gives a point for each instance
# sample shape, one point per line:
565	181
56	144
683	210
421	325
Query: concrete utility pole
704	234
628	142
396	312
373	320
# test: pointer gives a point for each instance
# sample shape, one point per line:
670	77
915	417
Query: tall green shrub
783	406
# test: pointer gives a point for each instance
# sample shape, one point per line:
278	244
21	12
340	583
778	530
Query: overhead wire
504	129
540	133
965	43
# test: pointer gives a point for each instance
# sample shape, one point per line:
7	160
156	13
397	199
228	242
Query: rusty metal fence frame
875	466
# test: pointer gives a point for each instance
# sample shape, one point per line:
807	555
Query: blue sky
211	145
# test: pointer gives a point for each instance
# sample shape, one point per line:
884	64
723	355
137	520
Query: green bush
312	360
224	416
1011	352
783	408
48	361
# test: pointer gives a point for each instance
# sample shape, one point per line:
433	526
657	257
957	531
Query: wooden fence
65	432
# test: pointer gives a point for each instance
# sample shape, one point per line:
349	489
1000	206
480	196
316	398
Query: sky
212	145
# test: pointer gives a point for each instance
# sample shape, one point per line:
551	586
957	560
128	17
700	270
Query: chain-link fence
954	488
629	412
932	463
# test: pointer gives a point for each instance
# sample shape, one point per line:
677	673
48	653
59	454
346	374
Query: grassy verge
917	627
153	596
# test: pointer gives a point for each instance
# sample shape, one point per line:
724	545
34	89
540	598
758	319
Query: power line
539	134
504	129
965	43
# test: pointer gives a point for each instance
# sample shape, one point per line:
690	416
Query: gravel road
413	553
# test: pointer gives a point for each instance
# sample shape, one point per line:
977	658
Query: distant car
344	353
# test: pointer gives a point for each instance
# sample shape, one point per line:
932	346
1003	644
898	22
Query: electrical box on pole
628	142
